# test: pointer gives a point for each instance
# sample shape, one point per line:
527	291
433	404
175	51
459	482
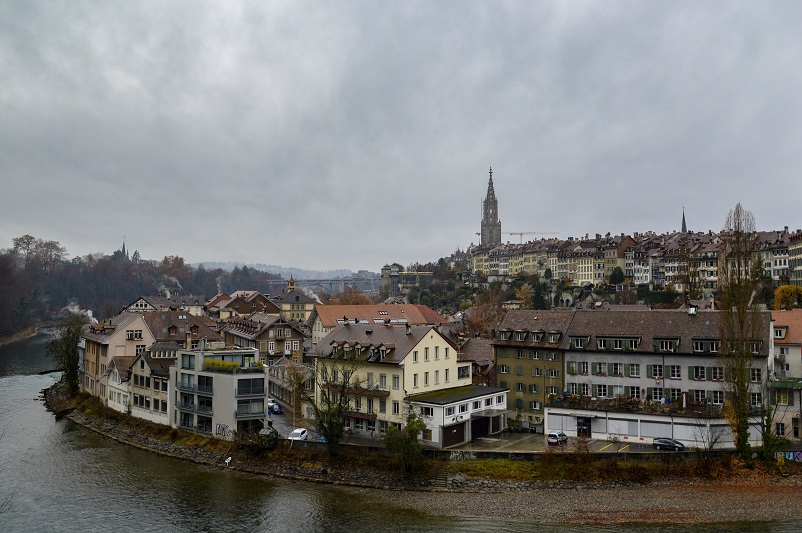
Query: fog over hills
285	272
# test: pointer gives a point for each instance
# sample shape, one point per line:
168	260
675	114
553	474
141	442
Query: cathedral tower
491	225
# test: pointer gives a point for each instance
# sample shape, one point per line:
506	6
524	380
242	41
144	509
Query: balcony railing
249	414
250	391
186	406
635	405
186	386
206	389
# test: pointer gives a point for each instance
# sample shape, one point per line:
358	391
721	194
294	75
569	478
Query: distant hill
285	272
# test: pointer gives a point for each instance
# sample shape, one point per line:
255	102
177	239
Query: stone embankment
565	502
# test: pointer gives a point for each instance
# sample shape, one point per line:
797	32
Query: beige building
127	334
394	362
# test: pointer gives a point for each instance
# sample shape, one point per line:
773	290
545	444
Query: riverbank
746	494
19	336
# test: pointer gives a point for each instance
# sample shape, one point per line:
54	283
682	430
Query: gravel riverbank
755	498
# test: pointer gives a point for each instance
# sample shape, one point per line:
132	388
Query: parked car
275	408
299	434
668	444
557	437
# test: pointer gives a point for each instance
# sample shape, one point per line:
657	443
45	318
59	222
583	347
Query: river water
58	476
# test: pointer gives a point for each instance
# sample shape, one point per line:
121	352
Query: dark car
668	444
276	409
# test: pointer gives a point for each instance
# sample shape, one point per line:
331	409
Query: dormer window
537	336
666	345
553	338
520	335
579	343
504	335
779	333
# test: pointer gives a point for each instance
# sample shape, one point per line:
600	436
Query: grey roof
394	338
454	394
649	326
101	332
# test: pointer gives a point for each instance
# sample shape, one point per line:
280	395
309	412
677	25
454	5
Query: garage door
453	435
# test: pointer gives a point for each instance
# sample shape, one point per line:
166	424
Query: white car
298	434
557	437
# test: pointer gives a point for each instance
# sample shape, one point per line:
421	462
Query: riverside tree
64	348
404	444
740	322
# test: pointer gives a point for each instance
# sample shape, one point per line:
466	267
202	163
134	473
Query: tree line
38	281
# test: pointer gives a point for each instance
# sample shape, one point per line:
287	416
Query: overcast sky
354	134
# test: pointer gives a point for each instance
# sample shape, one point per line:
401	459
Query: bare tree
336	383
740	323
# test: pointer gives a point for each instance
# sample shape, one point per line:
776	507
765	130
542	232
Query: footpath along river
59	476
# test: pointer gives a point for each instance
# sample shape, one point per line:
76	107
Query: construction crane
522	233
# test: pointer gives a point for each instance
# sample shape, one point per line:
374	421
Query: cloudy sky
353	134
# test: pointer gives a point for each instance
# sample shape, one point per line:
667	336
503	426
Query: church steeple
684	227
491	225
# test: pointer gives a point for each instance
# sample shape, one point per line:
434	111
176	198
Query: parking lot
531	442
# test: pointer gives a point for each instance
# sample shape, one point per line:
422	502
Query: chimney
409	328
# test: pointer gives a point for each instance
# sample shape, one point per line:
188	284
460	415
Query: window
464	372
425	379
436	377
463	408
396	407
618	369
519	354
551	390
535	405
445	352
499	399
426	354
449	411
675	372
140	349
520	387
634	371
699	373
553	338
537	371
554	373
396	382
583	368
585	388
446	375
718	397
666	345
503	369
755	375
415	380
618	344
436	353
520	335
657	371
382	381
634	392
415	356
534	388
601	391
578	343
657	394
782	397
756	398
426	411
504	335
779	429
675	395
718	373
699	396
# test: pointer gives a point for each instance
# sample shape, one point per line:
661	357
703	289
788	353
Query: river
58	476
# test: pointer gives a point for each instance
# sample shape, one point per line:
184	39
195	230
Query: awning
487	413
